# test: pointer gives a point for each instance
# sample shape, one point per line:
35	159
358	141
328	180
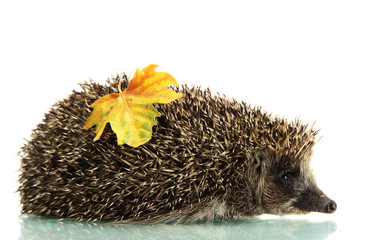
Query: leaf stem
120	83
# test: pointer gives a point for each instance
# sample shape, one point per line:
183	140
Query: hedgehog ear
260	159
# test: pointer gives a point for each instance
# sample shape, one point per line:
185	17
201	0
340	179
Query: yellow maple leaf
130	113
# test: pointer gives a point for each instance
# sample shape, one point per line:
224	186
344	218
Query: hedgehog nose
330	206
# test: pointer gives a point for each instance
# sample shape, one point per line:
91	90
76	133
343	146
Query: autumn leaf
130	113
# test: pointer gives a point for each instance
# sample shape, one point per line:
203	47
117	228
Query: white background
306	59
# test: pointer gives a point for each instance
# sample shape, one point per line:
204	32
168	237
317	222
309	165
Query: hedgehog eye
285	177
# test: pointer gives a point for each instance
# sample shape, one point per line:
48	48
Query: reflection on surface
33	227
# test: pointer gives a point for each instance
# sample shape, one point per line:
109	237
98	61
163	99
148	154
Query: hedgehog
209	158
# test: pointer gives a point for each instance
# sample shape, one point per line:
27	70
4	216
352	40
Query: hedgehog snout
330	206
314	200
325	205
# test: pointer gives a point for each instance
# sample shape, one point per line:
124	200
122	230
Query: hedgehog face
289	186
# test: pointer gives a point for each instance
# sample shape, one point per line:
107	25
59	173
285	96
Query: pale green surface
33	227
